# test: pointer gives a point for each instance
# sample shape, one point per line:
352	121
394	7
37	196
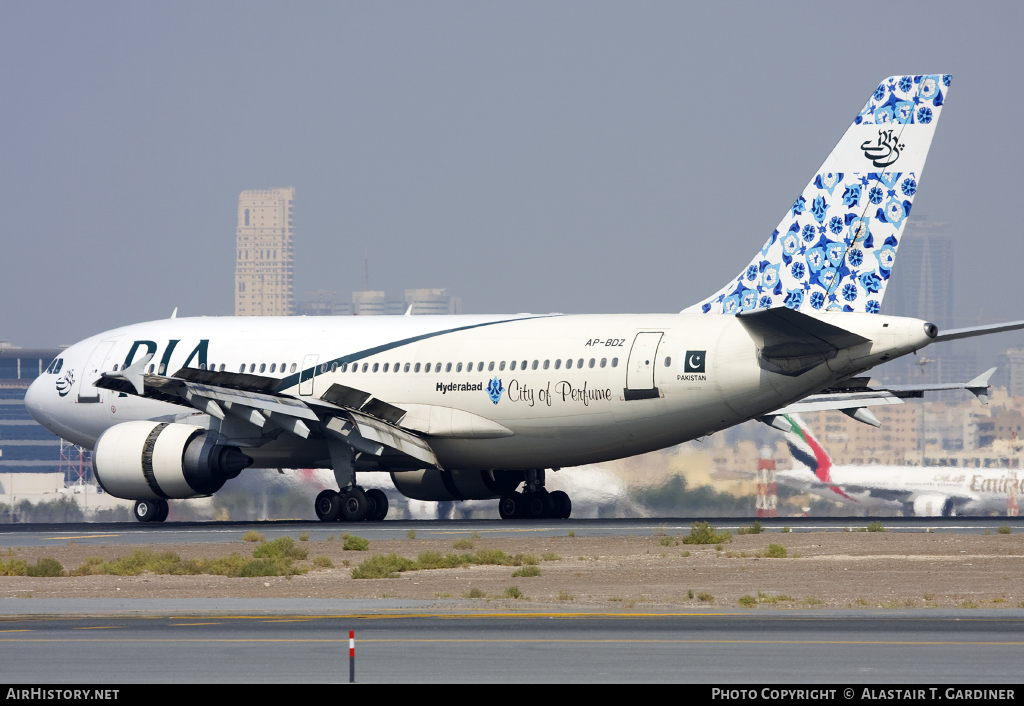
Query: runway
836	647
30	535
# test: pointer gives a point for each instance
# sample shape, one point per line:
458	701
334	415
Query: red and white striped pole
351	656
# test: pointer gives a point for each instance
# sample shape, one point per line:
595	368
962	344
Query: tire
379	501
540	505
354	505
510	506
563	505
146	510
327	506
162	510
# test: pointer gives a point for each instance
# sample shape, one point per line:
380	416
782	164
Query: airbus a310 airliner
472	407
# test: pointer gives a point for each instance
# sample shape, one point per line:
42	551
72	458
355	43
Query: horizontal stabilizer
789	342
971	331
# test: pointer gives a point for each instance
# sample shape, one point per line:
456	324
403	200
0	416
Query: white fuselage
704	369
931	490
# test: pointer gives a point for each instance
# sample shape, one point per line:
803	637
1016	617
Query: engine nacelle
152	460
933	505
432	484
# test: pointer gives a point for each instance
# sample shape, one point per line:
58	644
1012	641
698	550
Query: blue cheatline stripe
294	378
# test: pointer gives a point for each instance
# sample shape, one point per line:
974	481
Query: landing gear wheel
563	505
354	505
327	506
539	505
146	510
162	509
511	506
378	505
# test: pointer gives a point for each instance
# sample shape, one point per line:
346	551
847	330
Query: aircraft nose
35	397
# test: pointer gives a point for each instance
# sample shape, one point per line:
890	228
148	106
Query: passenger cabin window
490	366
512	365
448	368
558	364
334	367
535	364
568	363
615	362
406	367
386	365
522	366
273	367
151	367
426	368
375	366
417	368
293	367
547	364
263	367
590	364
458	368
501	365
366	367
579	363
252	367
242	369
668	362
344	367
604	362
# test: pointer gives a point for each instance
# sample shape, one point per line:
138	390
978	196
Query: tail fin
808	451
836	246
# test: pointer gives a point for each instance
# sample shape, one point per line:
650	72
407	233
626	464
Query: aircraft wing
355	417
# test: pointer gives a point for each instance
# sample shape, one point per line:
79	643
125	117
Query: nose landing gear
535	502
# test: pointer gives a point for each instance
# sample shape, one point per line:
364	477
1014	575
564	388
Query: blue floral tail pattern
835	248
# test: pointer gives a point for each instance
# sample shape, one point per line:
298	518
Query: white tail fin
836	246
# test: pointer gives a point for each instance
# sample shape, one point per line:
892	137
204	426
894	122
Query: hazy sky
573	156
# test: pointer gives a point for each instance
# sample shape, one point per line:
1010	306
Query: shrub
718	547
322	562
383	566
813	600
875	526
572	533
12	566
476	593
550	556
689	594
705	597
463	544
1004	529
280	548
513	592
410	534
492	557
755	528
525	559
563	596
330	538
435	560
254	536
304	537
263	567
748	601
527	571
786	530
668	541
356	544
703	533
46	566
776	551
686	553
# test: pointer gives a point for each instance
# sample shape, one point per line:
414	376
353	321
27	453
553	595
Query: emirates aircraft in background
913	490
473	407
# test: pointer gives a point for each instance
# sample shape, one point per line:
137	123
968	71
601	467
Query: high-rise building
922	278
432	301
263	243
922	288
1011	372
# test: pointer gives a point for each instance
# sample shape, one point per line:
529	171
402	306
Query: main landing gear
352	504
151	510
535	502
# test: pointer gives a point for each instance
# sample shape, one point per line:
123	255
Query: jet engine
933	505
434	484
153	460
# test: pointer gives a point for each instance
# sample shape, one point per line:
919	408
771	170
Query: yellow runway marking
609	641
84	536
293	620
100	627
183	625
23	630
